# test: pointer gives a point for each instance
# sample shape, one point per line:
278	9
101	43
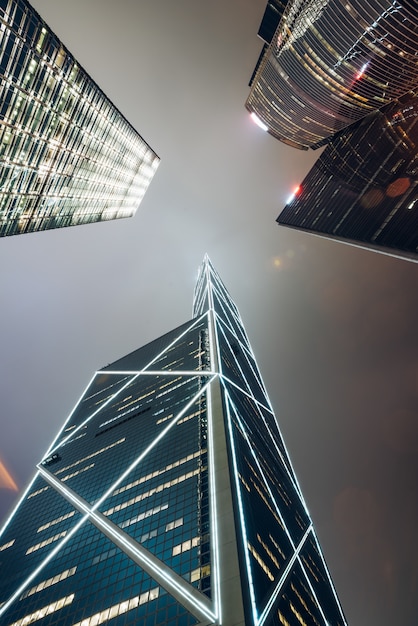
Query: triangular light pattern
168	496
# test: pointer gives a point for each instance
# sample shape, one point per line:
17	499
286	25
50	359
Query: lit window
55	521
260	561
151	492
119	609
80	471
42	544
49	582
168	467
175	524
7	545
144	515
86	458
44	611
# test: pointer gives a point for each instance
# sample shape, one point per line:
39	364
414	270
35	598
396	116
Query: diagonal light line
23	496
326	571
249	356
282	579
112	397
156	568
265	481
257	376
245	392
102	498
249	387
152	444
284	457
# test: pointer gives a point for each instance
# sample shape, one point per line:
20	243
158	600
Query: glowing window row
101	391
75	438
151	492
49	582
260	561
90	456
44	611
200	572
172	525
57	520
186	545
36	493
163	393
46	542
7	545
80	471
141	516
268	551
182	420
120	608
168	467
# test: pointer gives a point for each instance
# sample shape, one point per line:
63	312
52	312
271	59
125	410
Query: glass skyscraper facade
363	189
331	63
168	496
67	155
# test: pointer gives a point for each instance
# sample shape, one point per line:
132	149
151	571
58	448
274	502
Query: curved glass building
332	62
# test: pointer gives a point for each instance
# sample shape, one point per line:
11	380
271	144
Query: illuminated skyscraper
168	497
331	63
363	189
67	155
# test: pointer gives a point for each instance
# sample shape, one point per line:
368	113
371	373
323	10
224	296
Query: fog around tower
333	328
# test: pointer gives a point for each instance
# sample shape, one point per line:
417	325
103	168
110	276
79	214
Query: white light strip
153	566
269	407
214	512
265	481
101	407
326	570
249	386
246	350
29	487
102	499
282	579
111	398
242	518
292	476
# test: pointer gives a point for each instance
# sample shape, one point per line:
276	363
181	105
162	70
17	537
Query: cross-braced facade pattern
67	155
168	496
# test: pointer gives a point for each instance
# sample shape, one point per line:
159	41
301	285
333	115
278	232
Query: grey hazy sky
334	329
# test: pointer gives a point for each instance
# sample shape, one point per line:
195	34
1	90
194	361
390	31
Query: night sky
334	328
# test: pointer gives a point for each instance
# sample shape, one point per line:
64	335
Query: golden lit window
42	544
7	545
36	493
120	608
186	545
168	467
49	582
86	458
175	524
44	611
80	471
151	492
260	561
57	520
